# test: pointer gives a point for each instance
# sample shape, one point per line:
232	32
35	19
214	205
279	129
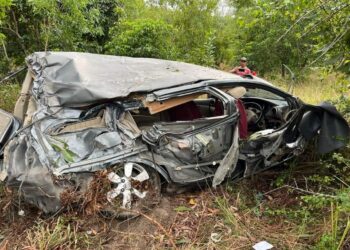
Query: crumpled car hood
74	79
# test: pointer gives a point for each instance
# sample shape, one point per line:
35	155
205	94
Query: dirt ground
234	216
144	232
157	228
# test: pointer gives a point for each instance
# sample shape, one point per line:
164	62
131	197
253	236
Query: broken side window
187	128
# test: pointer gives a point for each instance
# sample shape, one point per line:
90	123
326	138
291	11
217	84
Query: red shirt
243	71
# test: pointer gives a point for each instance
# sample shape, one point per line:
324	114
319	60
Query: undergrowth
56	235
9	94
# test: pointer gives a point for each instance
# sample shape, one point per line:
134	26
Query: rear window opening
186	108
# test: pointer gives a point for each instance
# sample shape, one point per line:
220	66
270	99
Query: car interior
265	110
187	108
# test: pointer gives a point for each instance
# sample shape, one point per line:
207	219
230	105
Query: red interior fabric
243	123
185	112
218	108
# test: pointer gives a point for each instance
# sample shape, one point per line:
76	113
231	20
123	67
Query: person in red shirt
242	69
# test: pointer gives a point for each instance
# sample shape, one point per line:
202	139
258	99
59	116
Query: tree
142	38
195	23
40	25
298	33
4	5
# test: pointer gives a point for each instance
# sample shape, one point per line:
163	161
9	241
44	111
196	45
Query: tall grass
56	235
315	87
9	93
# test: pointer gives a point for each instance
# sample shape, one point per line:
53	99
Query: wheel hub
125	184
124	187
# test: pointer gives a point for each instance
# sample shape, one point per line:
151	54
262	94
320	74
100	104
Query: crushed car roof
76	79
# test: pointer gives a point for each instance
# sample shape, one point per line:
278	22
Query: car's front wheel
134	189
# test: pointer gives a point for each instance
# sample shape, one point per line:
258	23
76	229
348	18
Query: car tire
135	189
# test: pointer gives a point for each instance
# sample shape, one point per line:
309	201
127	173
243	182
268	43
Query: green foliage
62	22
343	101
339	230
289	213
226	211
297	33
182	209
335	182
195	24
142	38
3	5
224	48
102	15
186	29
9	94
39	25
63	148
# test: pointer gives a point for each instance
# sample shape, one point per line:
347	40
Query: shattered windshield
262	93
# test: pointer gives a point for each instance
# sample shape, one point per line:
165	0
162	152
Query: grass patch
9	94
315	87
57	235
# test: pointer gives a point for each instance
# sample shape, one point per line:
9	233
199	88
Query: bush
142	38
343	101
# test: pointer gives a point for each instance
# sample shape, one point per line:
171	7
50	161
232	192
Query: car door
202	141
266	145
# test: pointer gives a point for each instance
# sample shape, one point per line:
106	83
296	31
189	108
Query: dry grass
315	87
235	216
9	94
222	220
55	235
232	217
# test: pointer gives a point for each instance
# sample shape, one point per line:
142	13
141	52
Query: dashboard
265	113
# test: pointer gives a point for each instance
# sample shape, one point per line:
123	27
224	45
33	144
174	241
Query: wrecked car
145	124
